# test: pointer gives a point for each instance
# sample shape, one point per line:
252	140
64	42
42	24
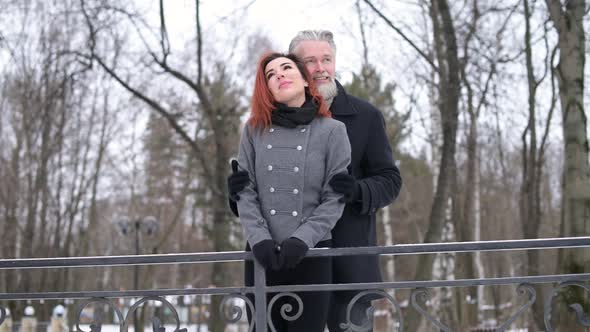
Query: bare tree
49	145
533	154
212	142
568	20
449	86
478	66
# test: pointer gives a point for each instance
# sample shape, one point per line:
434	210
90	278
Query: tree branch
167	115
199	44
164	42
551	107
152	103
363	36
403	35
555	13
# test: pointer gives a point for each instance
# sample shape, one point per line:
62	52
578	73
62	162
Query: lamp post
148	225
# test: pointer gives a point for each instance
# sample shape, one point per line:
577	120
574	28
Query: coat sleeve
330	209
382	181
254	225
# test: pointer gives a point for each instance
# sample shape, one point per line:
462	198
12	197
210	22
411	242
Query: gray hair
319	35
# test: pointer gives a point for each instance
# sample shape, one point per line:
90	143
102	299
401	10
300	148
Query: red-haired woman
291	147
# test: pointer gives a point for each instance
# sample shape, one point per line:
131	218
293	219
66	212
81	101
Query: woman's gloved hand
267	254
237	181
292	252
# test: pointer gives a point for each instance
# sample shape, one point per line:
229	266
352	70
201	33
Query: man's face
319	60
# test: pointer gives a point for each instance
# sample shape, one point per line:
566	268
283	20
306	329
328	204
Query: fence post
29	322
260	296
6	326
58	321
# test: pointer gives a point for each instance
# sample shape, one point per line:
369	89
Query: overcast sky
279	20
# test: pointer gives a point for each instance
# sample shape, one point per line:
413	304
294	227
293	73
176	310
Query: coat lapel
341	106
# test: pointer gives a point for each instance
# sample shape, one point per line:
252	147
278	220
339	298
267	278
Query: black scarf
291	117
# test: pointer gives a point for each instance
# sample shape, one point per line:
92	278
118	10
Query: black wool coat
380	182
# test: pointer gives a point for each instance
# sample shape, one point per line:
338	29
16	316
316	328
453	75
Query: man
374	180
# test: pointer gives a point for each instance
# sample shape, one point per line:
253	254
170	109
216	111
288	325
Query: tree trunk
466	297
10	230
570	69
389	241
449	91
222	229
569	24
530	210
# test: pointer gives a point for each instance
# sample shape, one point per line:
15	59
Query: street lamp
148	225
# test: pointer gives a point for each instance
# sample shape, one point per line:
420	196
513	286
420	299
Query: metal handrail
232	256
260	309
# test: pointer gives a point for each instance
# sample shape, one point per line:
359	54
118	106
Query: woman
291	147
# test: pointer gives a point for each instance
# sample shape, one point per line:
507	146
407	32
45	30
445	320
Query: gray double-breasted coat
289	168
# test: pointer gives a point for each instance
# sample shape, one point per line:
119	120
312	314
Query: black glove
346	184
292	252
237	181
267	254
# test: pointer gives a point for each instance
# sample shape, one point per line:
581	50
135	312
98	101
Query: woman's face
285	82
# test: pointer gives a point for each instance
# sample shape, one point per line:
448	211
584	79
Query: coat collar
341	104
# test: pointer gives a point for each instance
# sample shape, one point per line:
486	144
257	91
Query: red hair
263	103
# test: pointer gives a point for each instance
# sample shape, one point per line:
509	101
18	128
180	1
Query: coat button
294	213
303	130
299	147
269	146
295	169
295	191
273	212
269	167
272	190
261	221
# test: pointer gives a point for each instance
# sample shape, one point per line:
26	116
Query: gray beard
328	91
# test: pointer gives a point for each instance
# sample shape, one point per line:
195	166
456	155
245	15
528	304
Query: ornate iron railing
261	309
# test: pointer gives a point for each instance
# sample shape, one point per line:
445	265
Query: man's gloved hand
346	184
292	252
267	254
237	181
